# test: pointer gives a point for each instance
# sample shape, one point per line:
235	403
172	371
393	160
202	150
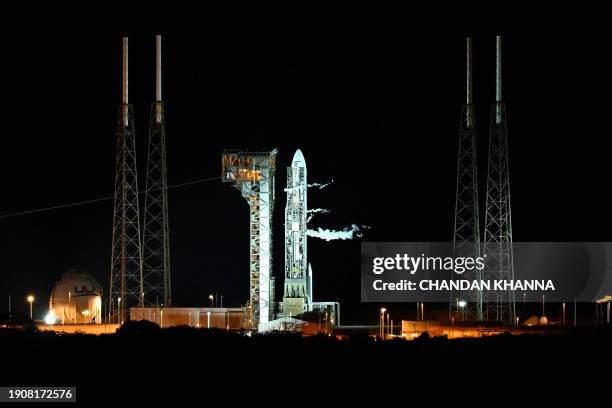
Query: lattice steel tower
500	305
253	174
156	246
126	264
466	239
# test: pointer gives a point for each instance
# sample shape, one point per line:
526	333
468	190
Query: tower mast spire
124	82
498	79
468	70
158	73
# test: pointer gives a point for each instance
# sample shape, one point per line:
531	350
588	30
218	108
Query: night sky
372	98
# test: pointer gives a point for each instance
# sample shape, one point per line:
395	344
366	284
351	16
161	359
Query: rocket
298	276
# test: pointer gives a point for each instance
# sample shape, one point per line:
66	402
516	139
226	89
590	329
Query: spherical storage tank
76	298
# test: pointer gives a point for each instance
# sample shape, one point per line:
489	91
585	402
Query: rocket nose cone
298	159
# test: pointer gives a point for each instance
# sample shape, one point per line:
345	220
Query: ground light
382	323
50	318
30	300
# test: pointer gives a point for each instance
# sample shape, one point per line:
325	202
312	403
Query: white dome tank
76	298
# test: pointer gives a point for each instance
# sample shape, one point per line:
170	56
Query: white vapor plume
321	186
317	210
311	213
354	231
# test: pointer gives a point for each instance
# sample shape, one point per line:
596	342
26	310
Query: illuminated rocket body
298	276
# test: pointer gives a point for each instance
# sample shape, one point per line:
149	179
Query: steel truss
156	246
126	272
466	237
253	174
498	252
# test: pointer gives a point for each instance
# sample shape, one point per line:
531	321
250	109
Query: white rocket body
298	287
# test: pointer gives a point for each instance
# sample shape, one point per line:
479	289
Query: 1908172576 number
39	393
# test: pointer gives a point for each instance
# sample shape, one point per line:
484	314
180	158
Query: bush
138	327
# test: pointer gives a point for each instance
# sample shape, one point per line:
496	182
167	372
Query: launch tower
253	174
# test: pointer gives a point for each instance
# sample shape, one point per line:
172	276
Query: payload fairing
297	297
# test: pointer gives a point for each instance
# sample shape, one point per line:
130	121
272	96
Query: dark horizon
375	106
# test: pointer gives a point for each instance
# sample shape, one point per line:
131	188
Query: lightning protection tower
466	239
500	305
253	174
126	262
156	247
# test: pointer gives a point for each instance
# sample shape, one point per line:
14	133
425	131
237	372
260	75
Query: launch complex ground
235	320
407	330
140	284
